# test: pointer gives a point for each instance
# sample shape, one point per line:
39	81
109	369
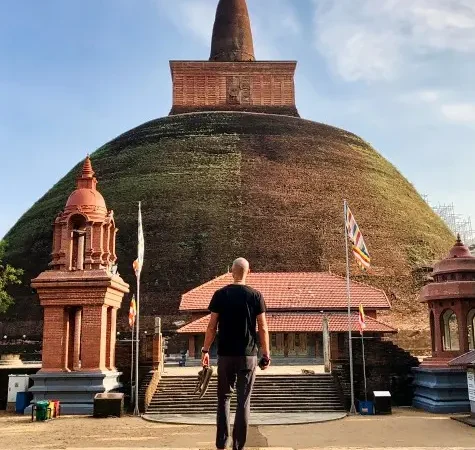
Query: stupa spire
87	171
86	179
232	35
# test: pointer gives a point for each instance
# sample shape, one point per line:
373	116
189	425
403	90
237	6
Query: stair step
272	393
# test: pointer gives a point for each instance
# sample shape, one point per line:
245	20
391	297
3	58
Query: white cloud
442	103
191	16
459	112
375	39
428	96
423	96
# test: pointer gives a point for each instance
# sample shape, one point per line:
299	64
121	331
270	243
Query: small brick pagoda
451	302
80	294
232	79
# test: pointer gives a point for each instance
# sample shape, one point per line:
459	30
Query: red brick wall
54	330
233	86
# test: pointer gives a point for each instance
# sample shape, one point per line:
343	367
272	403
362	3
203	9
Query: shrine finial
87	171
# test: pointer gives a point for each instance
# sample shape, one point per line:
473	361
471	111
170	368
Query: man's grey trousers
239	371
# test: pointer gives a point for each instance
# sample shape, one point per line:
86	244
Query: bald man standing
235	311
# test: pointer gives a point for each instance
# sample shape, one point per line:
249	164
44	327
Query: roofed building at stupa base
297	305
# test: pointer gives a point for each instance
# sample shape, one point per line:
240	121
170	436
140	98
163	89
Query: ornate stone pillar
77	338
80	256
112	321
437	332
191	346
462	316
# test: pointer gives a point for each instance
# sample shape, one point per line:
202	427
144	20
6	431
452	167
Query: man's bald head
240	269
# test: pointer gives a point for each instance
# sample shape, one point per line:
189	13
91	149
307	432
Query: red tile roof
292	322
294	291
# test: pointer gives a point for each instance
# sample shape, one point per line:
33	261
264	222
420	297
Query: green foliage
8	276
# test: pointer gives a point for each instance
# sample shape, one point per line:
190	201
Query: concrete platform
257	419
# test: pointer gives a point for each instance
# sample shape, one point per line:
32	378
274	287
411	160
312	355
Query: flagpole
132	366
137	340
350	344
364	367
137	332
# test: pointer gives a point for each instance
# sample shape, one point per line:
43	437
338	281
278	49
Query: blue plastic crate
23	399
366	407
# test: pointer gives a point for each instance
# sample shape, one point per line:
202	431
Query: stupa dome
268	187
86	195
81	197
458	260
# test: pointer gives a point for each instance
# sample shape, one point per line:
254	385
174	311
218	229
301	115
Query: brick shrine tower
232	79
451	302
80	294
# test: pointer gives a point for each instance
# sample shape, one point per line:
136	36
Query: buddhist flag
132	312
359	247
138	263
361	319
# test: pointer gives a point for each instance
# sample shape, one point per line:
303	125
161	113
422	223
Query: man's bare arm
263	333
209	338
211	331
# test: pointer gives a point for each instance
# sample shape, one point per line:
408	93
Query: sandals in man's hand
204	377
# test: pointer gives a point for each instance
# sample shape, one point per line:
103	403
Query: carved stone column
77	338
112	313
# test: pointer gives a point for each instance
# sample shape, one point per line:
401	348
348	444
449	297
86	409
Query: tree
8	276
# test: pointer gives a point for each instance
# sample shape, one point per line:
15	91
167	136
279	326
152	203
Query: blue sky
74	74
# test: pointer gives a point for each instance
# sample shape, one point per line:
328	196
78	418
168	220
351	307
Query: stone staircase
272	394
276	361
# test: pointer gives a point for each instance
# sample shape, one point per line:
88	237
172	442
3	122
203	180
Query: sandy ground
405	429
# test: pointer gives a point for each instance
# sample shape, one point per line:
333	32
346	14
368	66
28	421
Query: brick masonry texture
249	86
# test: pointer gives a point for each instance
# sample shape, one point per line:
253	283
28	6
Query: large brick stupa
233	170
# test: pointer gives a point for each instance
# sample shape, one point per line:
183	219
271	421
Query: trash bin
366	407
57	408
52	409
382	402
23	399
42	412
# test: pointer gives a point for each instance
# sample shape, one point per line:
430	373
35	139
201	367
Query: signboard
471	384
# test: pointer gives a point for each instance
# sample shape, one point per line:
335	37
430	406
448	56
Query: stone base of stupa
74	390
441	389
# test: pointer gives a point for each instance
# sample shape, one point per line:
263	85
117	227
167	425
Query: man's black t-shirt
238	306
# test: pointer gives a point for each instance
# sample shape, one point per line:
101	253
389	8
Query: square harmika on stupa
234	171
80	294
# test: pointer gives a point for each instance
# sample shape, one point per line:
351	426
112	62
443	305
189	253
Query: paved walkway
257	419
404	430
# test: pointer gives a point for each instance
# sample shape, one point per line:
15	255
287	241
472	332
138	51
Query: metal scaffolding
457	223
